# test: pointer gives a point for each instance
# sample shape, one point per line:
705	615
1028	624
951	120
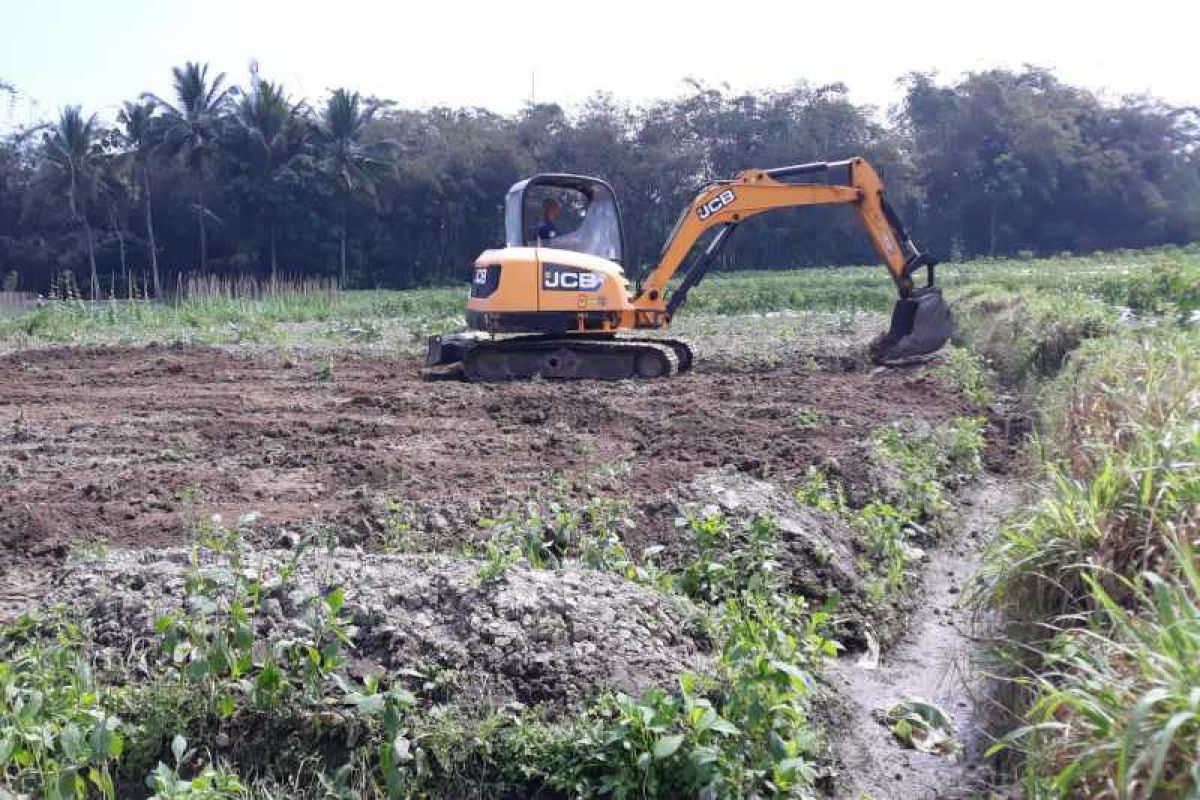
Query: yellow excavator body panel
544	289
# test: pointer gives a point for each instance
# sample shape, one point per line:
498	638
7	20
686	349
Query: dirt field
124	446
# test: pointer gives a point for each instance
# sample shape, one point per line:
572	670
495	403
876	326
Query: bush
1172	284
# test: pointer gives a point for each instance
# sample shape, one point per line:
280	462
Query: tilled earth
130	446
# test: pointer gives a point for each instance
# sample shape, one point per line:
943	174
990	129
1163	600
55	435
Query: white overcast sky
444	52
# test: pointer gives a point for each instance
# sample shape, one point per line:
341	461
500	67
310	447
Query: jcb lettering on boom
716	204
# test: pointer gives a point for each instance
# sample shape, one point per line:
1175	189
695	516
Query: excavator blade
450	348
921	324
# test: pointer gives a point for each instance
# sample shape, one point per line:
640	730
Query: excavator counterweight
558	287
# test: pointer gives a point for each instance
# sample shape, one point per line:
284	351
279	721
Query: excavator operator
550	212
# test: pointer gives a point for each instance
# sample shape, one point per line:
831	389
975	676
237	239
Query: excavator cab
588	220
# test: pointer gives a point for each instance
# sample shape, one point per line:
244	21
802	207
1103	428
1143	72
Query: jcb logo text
716	204
565	279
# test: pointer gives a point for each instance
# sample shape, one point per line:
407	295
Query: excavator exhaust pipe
921	325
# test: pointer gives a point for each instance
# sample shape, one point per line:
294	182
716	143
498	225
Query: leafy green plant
925	463
819	491
1171	285
730	558
967	372
208	784
805	418
57	738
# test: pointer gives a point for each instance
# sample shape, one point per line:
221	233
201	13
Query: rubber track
670	351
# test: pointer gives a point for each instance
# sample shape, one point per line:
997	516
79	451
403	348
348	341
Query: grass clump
967	372
1116	709
1123	456
1098	580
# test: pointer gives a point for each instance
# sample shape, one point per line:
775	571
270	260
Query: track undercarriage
485	359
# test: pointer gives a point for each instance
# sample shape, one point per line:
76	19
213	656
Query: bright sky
496	53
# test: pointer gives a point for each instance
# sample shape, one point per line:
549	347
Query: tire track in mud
933	661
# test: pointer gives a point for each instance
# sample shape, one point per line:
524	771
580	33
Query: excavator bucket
921	324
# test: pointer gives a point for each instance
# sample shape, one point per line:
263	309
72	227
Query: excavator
555	302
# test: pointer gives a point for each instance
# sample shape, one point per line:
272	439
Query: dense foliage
227	179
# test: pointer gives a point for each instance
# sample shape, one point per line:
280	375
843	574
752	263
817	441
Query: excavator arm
921	321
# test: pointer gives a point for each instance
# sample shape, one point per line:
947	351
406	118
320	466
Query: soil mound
816	549
532	635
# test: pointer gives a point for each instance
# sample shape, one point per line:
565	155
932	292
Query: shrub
1171	284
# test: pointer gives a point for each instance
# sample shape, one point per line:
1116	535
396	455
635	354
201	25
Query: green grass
320	315
1151	281
1097	579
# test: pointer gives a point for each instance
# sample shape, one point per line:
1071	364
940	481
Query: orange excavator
555	302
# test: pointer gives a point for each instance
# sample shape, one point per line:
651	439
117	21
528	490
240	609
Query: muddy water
934	662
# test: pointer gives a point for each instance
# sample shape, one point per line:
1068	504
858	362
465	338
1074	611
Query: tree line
246	180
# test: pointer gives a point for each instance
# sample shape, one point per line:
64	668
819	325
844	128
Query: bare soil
128	446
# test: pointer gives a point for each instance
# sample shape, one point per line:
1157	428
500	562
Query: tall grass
217	310
1098	581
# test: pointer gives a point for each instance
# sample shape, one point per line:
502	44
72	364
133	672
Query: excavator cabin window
566	212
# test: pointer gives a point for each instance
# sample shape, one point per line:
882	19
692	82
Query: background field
266	531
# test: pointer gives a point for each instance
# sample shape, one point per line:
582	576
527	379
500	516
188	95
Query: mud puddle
933	661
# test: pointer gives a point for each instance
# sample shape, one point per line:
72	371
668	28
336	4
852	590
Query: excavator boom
921	321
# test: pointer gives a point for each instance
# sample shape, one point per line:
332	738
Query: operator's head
550	209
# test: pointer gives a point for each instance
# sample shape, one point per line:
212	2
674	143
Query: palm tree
191	128
272	136
71	152
138	136
351	163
